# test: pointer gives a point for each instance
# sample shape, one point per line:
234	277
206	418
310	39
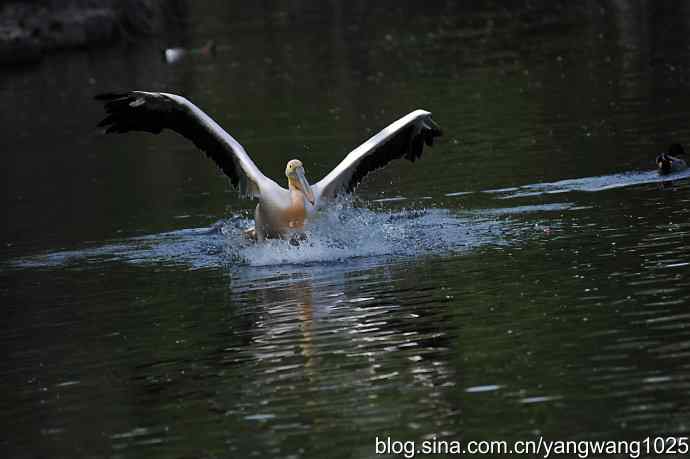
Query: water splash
341	232
344	232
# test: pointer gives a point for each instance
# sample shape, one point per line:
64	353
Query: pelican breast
281	211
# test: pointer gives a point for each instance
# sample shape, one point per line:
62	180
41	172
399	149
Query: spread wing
155	111
405	138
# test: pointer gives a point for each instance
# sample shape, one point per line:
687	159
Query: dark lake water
527	277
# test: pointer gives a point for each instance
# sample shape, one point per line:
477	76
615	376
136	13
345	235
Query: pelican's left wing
155	111
404	138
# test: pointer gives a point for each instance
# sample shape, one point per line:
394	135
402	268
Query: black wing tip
431	134
116	105
433	127
114	101
108	124
111	96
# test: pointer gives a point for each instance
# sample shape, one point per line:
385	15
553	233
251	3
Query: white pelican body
280	211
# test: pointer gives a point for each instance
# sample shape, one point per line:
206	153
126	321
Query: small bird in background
670	162
173	55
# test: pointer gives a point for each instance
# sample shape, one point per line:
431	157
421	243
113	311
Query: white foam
344	232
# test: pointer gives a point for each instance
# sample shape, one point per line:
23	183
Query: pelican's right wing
404	138
155	111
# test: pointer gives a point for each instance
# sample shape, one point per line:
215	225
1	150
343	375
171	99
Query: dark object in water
669	162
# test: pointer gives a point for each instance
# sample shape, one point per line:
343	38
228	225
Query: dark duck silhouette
669	162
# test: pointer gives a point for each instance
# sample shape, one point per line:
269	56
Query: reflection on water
136	326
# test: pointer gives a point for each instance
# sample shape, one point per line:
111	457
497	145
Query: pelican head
294	171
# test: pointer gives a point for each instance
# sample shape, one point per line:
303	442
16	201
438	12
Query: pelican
280	212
